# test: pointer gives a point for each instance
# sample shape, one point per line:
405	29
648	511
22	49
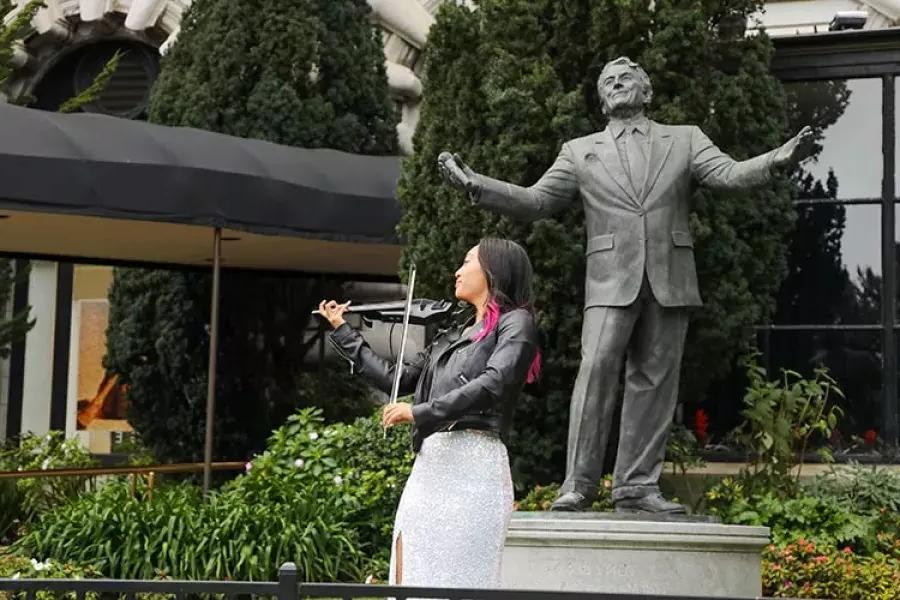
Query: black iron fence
288	587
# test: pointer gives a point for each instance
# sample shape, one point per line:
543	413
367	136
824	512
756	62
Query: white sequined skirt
454	512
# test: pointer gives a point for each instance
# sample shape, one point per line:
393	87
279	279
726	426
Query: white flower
45	465
248	466
313	435
338	480
299	463
39	566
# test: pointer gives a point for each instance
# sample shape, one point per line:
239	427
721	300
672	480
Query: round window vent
128	90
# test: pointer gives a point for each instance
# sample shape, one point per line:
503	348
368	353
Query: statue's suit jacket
629	233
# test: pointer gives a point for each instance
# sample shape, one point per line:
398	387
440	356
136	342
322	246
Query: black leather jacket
458	383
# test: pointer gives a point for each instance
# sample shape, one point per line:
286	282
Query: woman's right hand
333	312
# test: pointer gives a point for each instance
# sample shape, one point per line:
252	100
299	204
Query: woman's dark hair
508	271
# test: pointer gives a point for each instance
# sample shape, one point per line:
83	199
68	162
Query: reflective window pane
853	359
845	115
834	266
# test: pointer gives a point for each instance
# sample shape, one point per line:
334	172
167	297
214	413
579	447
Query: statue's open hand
795	149
457	173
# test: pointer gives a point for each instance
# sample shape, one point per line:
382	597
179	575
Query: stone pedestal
607	552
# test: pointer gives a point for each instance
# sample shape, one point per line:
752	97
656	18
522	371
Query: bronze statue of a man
635	179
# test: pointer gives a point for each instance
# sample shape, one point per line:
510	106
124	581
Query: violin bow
398	369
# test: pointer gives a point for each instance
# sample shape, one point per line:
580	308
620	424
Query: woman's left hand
396	413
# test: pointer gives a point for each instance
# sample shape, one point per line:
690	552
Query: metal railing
289	587
125	470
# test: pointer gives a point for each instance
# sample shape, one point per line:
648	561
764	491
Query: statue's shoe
571	501
652	503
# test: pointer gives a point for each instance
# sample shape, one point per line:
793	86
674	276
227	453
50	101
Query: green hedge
322	496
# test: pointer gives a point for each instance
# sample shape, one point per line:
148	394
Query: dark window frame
854	55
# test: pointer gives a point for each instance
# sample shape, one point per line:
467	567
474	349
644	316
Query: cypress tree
508	83
17	325
306	73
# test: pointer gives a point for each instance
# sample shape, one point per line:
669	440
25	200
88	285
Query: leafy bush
821	520
780	417
804	569
14	566
860	488
372	469
322	496
170	532
22	499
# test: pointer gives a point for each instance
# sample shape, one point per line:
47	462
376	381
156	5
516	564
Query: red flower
701	425
870	437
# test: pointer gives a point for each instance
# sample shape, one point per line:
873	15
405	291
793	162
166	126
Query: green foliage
855	507
13	328
21	500
804	569
541	497
862	489
780	417
321	495
683	450
15	566
298	72
507	84
822	520
170	532
371	469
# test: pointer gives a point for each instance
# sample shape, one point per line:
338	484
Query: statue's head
623	86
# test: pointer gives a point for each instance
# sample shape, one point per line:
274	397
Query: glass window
834	274
853	360
845	115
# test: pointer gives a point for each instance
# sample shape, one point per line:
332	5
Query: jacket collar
619	126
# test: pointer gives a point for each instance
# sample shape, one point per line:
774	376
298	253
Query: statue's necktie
637	162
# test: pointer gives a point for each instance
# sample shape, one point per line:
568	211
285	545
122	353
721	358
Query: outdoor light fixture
848	19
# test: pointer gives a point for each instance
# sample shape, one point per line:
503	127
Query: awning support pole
213	353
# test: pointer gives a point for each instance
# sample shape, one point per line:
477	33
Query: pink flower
248	466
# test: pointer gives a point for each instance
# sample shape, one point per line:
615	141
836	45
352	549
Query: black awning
105	170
